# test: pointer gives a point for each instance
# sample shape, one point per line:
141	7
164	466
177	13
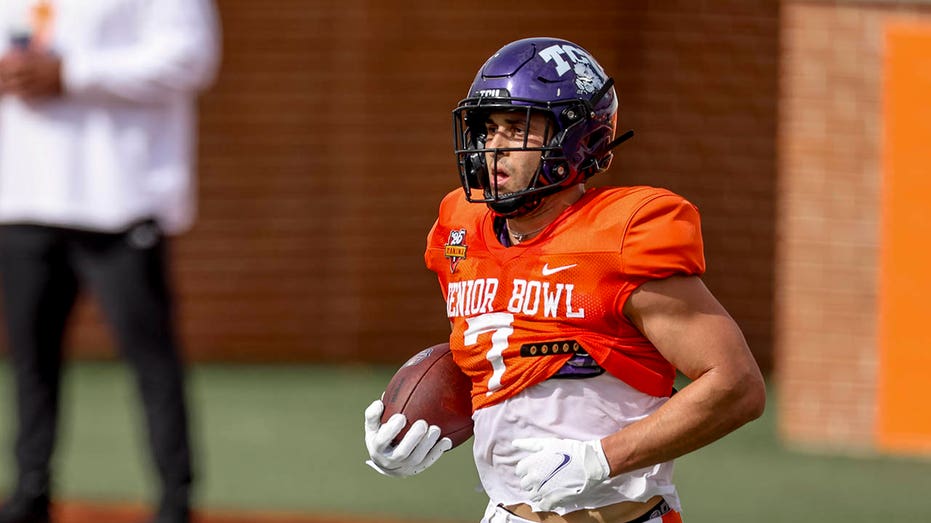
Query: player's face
512	171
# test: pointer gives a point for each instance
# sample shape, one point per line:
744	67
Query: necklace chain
521	236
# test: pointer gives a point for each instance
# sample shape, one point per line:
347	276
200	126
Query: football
430	386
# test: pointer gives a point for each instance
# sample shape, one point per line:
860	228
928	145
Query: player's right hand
416	451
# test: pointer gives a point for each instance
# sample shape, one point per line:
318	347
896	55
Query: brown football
430	386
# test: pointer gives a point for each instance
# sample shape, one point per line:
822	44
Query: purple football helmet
538	75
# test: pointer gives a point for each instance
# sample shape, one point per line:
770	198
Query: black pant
41	271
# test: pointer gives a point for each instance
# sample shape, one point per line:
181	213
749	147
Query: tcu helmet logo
455	248
588	78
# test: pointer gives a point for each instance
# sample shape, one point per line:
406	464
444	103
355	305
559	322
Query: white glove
559	469
416	451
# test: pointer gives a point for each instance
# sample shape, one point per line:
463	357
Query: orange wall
904	413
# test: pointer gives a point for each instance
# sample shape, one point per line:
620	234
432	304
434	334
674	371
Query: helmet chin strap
522	204
517	206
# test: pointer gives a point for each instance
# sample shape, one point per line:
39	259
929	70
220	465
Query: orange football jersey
519	313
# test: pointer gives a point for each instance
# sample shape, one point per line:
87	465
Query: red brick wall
827	253
326	147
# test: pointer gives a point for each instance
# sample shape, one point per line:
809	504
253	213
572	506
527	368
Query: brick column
830	144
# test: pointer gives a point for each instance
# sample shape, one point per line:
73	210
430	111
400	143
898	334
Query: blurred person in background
97	157
530	258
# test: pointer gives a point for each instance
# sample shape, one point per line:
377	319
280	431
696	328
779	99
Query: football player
571	308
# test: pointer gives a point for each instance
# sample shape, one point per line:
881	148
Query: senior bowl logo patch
455	248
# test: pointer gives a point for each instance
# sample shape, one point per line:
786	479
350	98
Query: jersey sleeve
438	236
663	238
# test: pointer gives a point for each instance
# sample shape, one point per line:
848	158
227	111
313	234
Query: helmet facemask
474	157
552	173
538	75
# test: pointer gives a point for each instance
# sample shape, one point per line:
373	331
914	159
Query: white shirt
582	409
120	144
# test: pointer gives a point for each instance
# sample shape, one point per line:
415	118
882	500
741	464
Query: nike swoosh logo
547	271
565	461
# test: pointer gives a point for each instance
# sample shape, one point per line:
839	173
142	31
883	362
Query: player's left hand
559	469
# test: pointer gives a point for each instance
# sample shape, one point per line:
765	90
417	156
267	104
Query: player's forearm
709	408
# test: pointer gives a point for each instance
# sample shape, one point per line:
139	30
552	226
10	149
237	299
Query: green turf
290	438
